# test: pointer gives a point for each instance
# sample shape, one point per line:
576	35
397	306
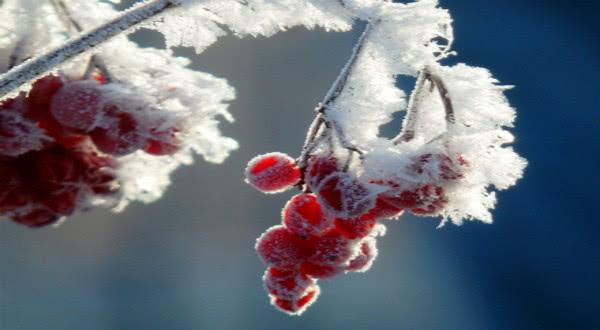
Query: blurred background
187	261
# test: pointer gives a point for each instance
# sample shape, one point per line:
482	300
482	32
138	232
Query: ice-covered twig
408	127
410	121
338	87
444	94
73	25
33	68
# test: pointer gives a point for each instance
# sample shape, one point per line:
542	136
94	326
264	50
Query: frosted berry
303	215
272	172
385	210
439	166
367	254
279	247
37	217
318	271
331	249
120	137
343	196
77	105
57	166
18	135
430	200
353	228
41	95
286	284
63	201
9	182
297	306
318	168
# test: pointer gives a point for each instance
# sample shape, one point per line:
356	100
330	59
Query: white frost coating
206	20
404	39
158	84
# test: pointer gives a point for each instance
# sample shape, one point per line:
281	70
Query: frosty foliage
404	39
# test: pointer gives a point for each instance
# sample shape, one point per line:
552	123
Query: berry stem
416	98
39	65
338	87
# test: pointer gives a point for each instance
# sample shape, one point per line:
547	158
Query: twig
72	25
33	68
444	95
338	87
408	127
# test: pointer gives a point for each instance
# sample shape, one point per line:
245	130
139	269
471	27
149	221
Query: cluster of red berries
58	143
330	228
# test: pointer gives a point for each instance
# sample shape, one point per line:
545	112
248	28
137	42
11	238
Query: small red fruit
331	249
37	217
303	215
343	196
272	172
121	137
77	105
353	228
319	271
18	135
318	168
297	306
364	260
286	284
41	94
280	248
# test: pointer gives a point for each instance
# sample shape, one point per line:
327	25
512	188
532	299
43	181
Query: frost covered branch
408	127
33	68
113	125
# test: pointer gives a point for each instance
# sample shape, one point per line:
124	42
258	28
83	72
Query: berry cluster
330	227
58	144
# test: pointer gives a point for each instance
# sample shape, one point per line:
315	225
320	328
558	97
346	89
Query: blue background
187	262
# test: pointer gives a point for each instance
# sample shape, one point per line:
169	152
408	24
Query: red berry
439	166
58	167
77	105
10	182
272	172
99	173
41	94
121	137
37	217
63	201
165	142
280	248
343	196
18	135
297	306
303	215
385	210
331	249
363	261
430	200
318	168
353	228
319	271
286	284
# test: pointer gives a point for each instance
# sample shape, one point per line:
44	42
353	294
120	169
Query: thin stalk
73	26
408	126
338	87
33	68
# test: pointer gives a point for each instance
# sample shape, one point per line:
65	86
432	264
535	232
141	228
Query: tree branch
408	126
33	68
338	87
